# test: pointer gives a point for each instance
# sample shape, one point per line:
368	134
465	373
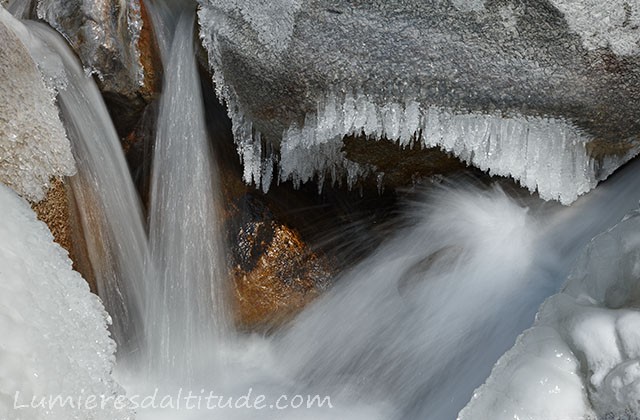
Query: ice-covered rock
513	88
581	359
33	144
56	356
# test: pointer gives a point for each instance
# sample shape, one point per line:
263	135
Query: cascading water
109	206
19	8
406	334
186	297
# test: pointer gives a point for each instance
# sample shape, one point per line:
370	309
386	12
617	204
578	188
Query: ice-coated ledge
33	143
581	359
55	341
510	88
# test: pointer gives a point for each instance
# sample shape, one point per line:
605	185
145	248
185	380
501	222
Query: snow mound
33	144
55	341
581	359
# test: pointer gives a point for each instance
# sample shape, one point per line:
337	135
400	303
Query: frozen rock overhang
516	89
581	359
55	341
33	144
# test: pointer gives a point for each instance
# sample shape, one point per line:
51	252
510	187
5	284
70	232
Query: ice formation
33	143
581	359
54	331
105	35
614	24
554	152
530	102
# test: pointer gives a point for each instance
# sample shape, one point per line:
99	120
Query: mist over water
407	333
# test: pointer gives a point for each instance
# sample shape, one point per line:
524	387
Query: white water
108	204
411	331
422	321
407	334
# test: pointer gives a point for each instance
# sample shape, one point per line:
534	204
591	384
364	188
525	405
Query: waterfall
108	204
186	298
177	296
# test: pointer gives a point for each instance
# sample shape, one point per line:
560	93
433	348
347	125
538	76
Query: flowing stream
111	216
408	333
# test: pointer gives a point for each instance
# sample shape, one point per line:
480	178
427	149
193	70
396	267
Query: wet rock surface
282	276
398	166
115	41
57	210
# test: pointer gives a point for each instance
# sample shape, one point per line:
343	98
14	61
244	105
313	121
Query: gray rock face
490	72
106	36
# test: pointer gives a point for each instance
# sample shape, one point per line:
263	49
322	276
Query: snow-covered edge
581	358
56	356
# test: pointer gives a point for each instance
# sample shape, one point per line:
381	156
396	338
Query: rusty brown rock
397	166
149	57
286	277
57	212
54	211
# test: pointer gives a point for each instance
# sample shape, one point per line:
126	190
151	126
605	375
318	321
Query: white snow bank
581	359
53	332
33	143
